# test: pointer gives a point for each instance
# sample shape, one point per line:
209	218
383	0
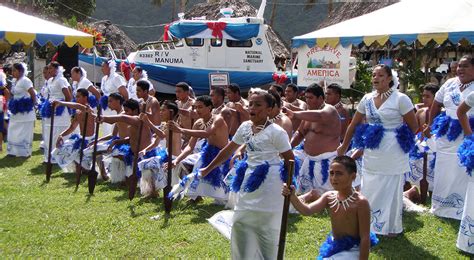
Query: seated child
349	211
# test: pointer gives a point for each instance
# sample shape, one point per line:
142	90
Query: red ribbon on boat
217	28
280	78
165	34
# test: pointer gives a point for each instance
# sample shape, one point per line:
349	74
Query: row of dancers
233	152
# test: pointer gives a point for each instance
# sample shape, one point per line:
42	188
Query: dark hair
279	89
389	72
183	85
77	70
336	88
276	97
54	64
84	92
143	84
315	89
172	106
234	87
206	100
138	68
7	68
469	58
347	162
293	87
219	91
19	67
118	97
132	104
431	87
269	99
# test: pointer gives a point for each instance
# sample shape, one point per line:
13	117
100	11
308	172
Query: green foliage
59	9
52	220
362	84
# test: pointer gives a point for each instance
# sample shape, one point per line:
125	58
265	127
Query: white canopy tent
408	21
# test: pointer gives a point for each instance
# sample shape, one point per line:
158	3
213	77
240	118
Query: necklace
322	106
218	109
276	118
338	105
334	201
259	128
385	94
465	86
209	122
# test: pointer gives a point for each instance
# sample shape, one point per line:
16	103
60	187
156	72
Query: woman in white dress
59	89
465	240
257	217
450	179
79	80
22	115
387	140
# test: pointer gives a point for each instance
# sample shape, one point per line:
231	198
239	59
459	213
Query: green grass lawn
39	219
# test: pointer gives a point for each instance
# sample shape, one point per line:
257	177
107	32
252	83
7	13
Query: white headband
395	79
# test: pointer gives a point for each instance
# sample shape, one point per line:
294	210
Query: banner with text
327	64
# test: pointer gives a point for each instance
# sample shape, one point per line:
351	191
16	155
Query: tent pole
291	62
93	65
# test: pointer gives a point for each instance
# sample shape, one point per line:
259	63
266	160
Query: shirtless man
217	96
185	104
63	154
429	91
277	117
278	89
214	129
294	103
320	129
152	106
236	111
333	97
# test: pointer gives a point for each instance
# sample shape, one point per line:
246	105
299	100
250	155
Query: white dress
110	84
255	224
465	240
62	121
450	179
384	166
132	87
21	125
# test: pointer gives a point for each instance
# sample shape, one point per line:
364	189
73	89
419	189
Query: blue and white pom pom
466	154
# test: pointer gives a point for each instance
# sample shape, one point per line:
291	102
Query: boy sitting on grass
349	211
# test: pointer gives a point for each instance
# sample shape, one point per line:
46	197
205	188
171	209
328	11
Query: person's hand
239	107
173	164
426	130
203	172
55	103
289	113
174	127
236	156
111	146
142	153
285	191
60	141
99	119
341	150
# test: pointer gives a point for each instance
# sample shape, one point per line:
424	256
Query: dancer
294	103
111	83
4	96
257	216
349	211
138	73
59	89
465	239
22	119
386	140
80	81
450	189
333	97
152	106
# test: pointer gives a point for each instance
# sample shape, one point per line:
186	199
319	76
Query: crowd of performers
235	152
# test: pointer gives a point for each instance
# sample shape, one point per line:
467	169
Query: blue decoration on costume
405	138
358	138
440	125
240	168
104	102
325	170
415	153
467	229
284	172
454	200
373	136
163	154
311	169
216	176
454	130
333	246
47	109
77	141
300	146
127	153
20	105
257	177
433	162
466	154
92	100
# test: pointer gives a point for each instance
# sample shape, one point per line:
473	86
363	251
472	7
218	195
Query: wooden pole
92	176
284	216
168	203
49	166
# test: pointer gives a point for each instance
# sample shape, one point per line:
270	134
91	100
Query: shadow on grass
12	161
37	137
400	248
411	222
292	220
37	152
201	212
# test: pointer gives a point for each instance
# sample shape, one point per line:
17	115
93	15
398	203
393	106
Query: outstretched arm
72	105
131	120
305	209
146	120
223	155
